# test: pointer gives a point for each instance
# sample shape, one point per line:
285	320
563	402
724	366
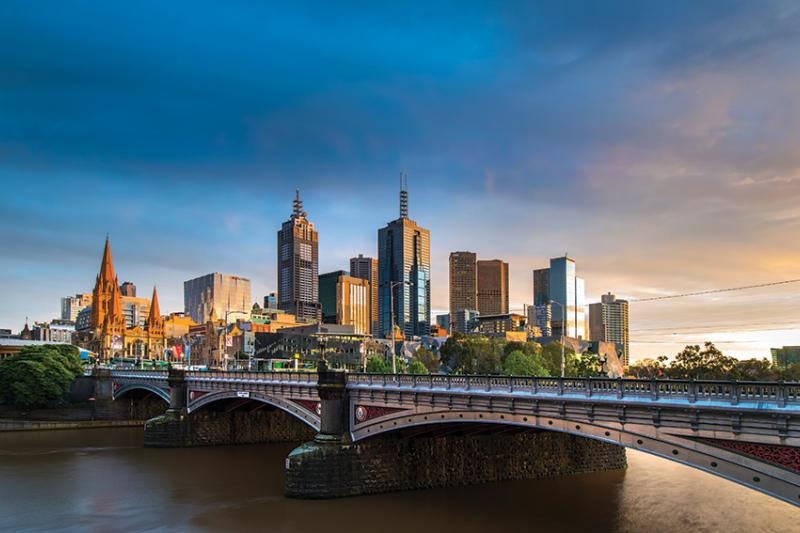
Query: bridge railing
140	374
274	377
727	392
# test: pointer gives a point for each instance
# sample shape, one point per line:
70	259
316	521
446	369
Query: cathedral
108	335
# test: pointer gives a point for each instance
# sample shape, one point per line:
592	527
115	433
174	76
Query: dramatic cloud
655	142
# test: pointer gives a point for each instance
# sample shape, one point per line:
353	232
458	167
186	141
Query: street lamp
227	363
392	285
563	325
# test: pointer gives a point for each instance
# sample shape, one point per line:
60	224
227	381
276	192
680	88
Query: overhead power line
714	291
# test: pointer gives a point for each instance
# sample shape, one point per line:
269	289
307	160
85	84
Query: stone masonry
391	463
210	428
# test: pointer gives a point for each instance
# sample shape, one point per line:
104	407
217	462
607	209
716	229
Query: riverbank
45	425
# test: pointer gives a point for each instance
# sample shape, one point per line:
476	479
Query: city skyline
659	152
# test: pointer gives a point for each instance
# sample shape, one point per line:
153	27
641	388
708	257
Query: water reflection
103	480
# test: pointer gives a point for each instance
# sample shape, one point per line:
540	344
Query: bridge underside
768	468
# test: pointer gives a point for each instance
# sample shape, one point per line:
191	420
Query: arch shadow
125	389
304	415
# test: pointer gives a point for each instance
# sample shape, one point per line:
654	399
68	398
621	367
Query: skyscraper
492	287
298	265
367	268
404	274
560	285
463	287
608	321
217	291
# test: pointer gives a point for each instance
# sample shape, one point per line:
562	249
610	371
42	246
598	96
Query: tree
427	358
417	367
39	375
519	363
378	365
648	368
584	365
755	370
706	363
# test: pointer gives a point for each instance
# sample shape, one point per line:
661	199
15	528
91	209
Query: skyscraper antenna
298	204
403	195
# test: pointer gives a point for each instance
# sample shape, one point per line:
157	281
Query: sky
655	142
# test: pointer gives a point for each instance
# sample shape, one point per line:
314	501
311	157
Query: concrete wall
210	428
391	463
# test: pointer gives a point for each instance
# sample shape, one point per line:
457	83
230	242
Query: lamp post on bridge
563	326
227	363
392	285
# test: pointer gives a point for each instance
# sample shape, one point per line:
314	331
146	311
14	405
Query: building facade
345	300
463	286
72	305
492	287
298	265
404	275
783	357
564	291
128	289
608	321
367	268
465	321
221	292
108	334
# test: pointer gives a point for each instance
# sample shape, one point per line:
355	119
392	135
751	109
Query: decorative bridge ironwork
748	432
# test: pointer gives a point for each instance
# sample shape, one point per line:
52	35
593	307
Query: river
103	480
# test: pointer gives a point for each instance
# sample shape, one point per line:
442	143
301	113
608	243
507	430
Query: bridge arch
744	470
125	389
304	415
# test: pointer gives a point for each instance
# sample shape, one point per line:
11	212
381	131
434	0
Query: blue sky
656	142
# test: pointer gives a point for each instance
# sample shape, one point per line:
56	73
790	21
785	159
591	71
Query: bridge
747	432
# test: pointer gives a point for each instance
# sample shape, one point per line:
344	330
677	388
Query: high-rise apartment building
345	300
72	305
608	321
559	288
367	268
492	287
463	286
404	274
220	292
298	265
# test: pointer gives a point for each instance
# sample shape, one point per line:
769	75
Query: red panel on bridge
783	456
195	394
311	405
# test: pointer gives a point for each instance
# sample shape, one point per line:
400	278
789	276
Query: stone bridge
747	432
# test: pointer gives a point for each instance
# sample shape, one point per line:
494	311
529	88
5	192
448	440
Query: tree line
39	376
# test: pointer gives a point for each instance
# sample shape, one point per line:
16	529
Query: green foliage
39	375
378	365
709	362
519	363
427	358
473	354
551	357
416	367
583	365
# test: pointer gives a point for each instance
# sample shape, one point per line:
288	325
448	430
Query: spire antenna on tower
298	204
403	195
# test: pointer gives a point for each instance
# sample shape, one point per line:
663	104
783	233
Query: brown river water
104	481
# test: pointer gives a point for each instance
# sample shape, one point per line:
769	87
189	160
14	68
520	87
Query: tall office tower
345	300
567	291
298	265
367	268
404	274
541	286
224	293
463	287
608	321
492	287
128	289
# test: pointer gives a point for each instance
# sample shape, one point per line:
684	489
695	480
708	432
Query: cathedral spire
107	265
403	195
155	312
